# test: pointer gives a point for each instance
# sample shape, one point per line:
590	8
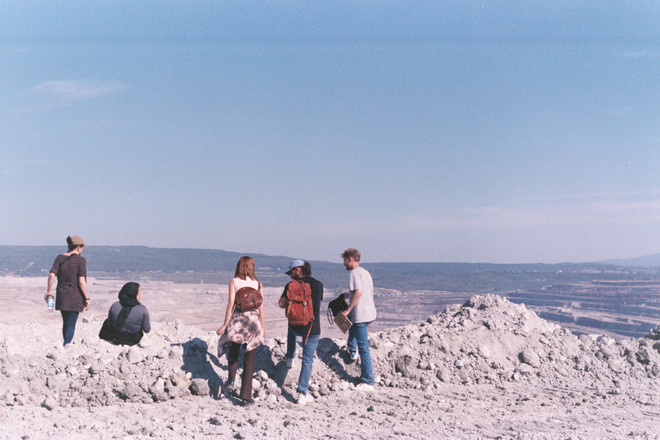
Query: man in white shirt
362	312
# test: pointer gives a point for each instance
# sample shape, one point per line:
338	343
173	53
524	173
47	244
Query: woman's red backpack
299	310
247	299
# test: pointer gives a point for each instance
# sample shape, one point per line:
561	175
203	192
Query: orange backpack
299	310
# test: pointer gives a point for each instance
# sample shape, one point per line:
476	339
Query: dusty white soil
486	369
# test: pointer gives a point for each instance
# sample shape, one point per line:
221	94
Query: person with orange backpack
301	300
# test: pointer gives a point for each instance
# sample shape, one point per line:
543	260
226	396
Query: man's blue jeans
309	351
359	340
68	325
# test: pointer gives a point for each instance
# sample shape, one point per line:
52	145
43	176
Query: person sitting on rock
128	320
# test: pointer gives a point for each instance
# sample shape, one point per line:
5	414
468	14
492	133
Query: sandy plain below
201	305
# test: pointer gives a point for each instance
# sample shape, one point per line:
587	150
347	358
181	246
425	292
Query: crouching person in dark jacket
127	320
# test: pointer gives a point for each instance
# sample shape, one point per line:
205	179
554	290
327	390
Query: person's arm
82	282
230	307
49	289
317	298
262	312
283	301
146	322
357	293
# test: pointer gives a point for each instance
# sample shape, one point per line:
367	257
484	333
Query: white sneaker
288	362
363	386
304	399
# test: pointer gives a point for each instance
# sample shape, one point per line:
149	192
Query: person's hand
47	295
221	330
87	304
282	302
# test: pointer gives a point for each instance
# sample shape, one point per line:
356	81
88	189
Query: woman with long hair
128	319
244	329
71	293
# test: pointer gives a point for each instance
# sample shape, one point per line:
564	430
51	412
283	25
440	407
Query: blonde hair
245	268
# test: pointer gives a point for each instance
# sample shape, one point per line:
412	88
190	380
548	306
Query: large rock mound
487	340
491	340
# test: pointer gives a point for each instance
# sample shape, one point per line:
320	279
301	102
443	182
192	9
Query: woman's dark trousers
248	368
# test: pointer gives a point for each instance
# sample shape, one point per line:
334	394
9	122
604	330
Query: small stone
530	357
125	367
200	387
525	369
9	399
50	403
134	356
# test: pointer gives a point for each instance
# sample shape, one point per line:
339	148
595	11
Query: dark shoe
247	402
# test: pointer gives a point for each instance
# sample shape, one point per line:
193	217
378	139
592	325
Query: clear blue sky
472	131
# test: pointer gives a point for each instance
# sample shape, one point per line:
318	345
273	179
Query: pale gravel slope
487	369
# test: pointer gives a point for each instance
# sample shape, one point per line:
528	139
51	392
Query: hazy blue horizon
501	132
650	260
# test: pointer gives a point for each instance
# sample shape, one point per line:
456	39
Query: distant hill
193	265
37	260
652	260
621	299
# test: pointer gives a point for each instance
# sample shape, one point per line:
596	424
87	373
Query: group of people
128	320
247	329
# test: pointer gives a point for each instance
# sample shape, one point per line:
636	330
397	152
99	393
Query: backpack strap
310	330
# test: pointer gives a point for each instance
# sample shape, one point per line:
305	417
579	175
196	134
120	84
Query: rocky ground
486	369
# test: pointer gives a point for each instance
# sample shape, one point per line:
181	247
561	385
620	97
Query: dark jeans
248	368
68	325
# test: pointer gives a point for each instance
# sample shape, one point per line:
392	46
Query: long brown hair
245	268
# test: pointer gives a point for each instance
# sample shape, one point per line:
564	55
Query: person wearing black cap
71	293
300	270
